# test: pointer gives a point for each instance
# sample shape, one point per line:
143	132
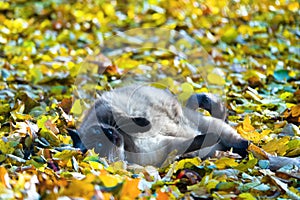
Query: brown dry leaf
292	114
51	126
280	124
66	104
297	95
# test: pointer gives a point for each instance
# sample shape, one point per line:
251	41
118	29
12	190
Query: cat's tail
77	143
209	102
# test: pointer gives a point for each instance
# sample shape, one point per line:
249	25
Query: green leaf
282	75
226	186
229	35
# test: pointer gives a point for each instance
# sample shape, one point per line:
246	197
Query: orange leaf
107	196
161	195
4	178
295	111
130	189
258	152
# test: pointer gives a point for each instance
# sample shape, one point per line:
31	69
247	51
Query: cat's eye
141	121
112	134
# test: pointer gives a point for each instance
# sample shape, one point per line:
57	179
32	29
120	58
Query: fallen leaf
226	162
130	189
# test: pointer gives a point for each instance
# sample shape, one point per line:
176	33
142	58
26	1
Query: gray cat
145	125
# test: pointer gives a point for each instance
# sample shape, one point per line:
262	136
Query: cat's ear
104	113
120	121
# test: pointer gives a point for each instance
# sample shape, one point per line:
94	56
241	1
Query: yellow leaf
294	6
253	136
278	146
286	96
109	180
212	184
130	189
201	90
165	83
245	29
256	137
247	124
4	5
252	95
215	79
204	22
6	147
126	63
109	9
247	131
65	155
247	196
79	188
265	133
64	139
187	87
229	35
96	165
226	162
56	65
116	167
290	105
77	108
187	163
